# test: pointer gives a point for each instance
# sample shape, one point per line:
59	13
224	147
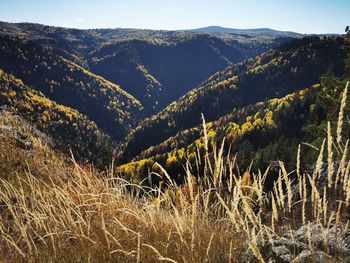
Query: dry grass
54	210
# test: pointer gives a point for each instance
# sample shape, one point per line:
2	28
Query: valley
140	145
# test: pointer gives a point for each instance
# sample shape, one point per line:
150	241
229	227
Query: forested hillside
69	129
158	73
260	134
64	82
293	66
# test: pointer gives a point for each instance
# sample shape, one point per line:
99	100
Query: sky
303	16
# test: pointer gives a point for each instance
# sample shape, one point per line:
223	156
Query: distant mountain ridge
249	32
118	31
254	32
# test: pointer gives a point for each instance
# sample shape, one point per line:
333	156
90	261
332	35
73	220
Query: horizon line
174	30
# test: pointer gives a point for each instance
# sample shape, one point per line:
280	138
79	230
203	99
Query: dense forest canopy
293	66
102	87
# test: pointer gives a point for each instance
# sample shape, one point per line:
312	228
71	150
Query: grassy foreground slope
53	209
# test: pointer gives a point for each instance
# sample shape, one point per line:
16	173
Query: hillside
260	135
64	82
158	73
293	66
69	129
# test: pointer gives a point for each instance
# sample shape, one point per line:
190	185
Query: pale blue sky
304	16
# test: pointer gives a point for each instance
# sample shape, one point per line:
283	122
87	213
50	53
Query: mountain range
137	96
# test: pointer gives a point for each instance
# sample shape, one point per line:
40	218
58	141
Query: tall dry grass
55	210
